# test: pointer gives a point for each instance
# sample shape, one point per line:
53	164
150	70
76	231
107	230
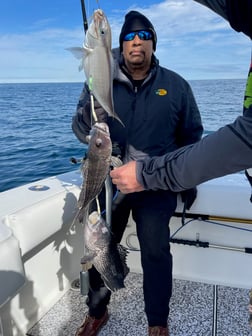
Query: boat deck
196	309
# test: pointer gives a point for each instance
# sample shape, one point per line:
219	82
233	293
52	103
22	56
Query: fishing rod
83	282
108	183
198	243
108	186
85	25
84	276
84	16
204	244
187	242
214	218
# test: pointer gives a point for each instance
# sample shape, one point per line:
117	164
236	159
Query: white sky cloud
192	40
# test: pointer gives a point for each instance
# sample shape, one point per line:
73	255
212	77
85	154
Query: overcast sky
192	40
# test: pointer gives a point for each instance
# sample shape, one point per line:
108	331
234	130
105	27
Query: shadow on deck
196	309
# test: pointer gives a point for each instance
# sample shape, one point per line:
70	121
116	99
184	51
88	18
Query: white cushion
11	266
37	222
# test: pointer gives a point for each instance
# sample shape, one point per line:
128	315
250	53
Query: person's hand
124	178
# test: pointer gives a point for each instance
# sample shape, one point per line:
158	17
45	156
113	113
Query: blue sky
192	40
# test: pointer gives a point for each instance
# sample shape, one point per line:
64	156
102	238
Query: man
226	151
160	115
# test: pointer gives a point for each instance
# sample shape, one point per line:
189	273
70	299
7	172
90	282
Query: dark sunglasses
142	34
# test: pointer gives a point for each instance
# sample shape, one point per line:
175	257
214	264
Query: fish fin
82	213
88	137
118	270
76	217
87	258
108	283
115	161
114	115
78	52
123	252
109	264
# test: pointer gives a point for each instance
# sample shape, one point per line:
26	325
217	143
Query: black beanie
135	21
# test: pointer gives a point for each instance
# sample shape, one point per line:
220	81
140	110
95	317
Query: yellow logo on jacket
161	92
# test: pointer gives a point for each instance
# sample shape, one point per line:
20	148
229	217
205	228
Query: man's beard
138	63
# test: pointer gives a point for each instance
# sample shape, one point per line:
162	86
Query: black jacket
159	116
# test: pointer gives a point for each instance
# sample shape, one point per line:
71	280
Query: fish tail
123	252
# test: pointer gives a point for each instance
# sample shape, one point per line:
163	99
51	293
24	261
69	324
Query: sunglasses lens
142	34
129	37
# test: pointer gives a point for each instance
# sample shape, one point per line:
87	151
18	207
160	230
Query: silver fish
95	167
97	61
108	257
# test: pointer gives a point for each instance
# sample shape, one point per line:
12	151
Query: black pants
151	210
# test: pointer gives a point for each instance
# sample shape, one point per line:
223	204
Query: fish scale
108	257
98	62
96	166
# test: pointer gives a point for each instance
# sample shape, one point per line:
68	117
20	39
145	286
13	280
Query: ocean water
36	137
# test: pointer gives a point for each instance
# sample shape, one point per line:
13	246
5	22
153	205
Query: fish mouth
102	127
94	217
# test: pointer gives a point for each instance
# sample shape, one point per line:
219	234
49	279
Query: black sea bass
108	257
95	167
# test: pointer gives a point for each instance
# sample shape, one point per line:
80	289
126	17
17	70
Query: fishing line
114	197
228	226
131	247
210	222
181	227
92	100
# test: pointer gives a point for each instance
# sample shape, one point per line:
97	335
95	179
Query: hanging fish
97	61
108	257
96	166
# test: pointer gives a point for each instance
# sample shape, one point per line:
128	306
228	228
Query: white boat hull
42	247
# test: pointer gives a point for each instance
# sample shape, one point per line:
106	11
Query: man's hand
124	178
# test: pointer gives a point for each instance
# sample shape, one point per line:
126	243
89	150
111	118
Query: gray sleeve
226	151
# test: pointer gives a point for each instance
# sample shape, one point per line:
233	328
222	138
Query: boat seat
35	223
12	276
32	220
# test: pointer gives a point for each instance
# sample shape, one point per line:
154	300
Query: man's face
137	52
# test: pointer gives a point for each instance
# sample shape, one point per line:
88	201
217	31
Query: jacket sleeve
238	13
218	6
81	121
223	152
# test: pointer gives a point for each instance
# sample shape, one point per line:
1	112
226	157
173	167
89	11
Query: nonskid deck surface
192	311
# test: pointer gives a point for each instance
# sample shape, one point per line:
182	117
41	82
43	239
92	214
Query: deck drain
39	187
75	285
